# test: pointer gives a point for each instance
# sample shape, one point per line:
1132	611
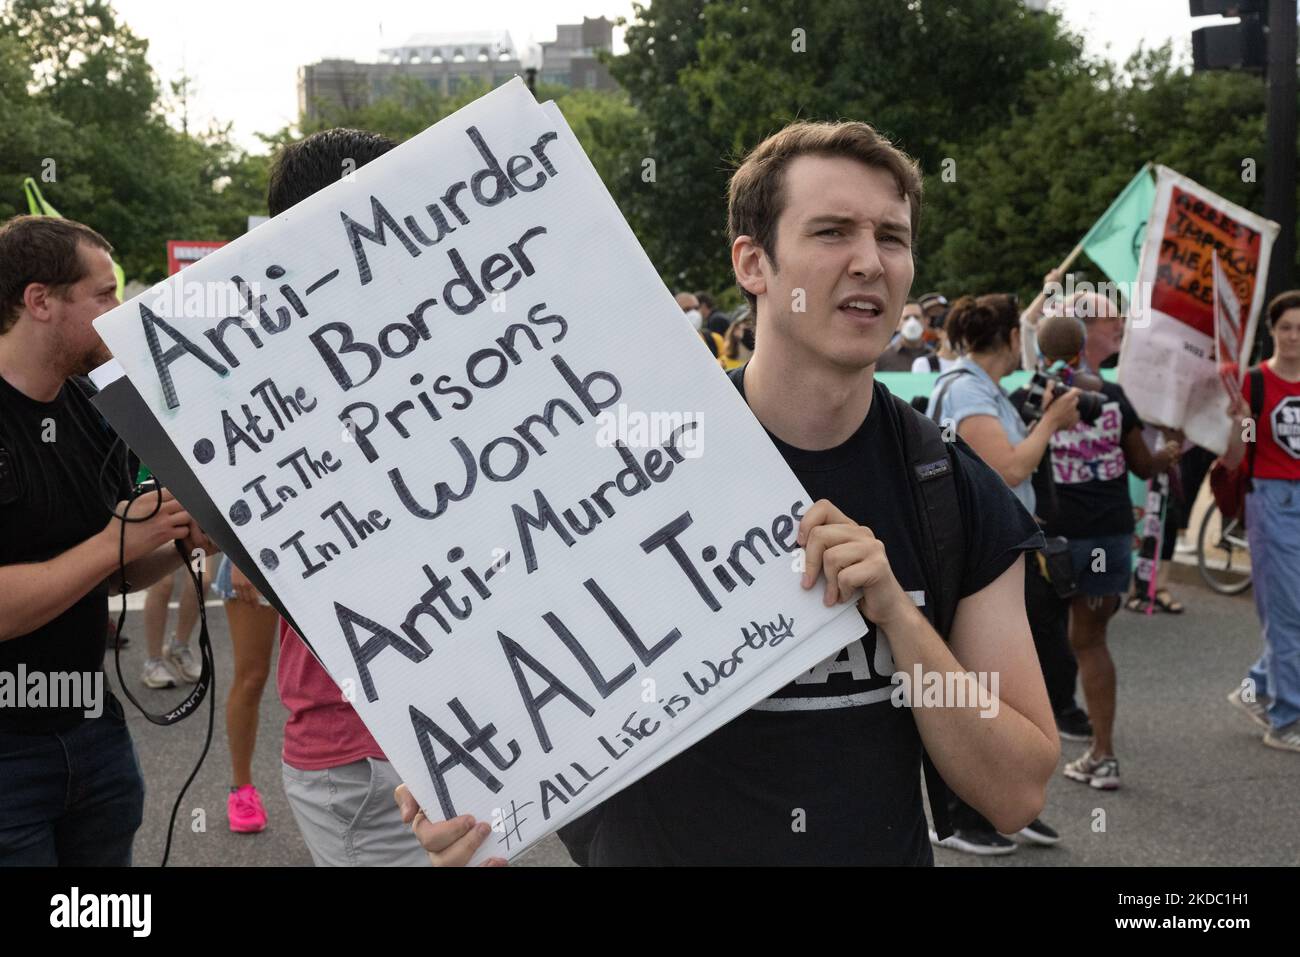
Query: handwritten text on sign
417	421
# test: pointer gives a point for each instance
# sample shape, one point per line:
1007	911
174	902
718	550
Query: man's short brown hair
756	196
40	249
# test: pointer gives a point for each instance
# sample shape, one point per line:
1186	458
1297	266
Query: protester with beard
72	793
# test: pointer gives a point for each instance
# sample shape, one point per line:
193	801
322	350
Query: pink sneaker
244	808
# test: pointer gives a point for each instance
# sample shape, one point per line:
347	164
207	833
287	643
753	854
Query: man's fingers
821	513
819	540
406	803
437	837
459	853
846	568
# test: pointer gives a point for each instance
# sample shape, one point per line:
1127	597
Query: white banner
1167	363
486	465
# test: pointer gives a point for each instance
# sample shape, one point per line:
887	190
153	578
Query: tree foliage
714	78
82	113
1024	193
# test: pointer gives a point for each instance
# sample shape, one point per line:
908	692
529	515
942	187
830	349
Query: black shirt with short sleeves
827	770
52	499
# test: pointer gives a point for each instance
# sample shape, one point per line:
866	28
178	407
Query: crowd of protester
1049	464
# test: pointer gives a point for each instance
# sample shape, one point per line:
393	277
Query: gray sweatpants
348	817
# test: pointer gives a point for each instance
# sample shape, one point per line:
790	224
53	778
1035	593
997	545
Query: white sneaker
157	675
1284	739
182	658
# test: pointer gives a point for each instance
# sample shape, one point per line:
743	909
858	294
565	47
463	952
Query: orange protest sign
1193	232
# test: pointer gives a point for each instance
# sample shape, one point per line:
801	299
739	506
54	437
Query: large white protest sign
1167	362
489	470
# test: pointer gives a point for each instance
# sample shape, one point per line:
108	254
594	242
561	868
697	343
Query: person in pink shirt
339	784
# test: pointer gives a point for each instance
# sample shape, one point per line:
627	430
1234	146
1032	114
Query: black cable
207	669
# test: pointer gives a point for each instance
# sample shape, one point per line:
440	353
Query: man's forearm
994	756
34	594
144	571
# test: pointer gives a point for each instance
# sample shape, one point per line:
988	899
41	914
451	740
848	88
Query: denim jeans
71	799
1273	527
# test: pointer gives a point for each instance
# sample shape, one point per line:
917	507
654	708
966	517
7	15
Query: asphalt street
1199	787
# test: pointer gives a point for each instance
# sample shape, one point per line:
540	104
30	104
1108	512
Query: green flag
38	205
1115	241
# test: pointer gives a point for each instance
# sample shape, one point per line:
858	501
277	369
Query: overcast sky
243	55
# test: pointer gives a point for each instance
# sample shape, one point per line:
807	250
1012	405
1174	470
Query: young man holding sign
827	770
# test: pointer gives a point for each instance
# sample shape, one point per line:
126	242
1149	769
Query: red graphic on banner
1184	286
182	252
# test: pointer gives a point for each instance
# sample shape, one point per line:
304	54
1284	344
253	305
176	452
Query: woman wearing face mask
910	344
738	343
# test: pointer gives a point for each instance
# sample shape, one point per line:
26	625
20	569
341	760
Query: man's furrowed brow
831	219
836	219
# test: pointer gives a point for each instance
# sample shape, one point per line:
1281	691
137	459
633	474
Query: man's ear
747	260
36	300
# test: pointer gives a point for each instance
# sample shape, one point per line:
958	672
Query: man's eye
834	230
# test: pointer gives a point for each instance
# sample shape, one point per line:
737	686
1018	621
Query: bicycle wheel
1222	554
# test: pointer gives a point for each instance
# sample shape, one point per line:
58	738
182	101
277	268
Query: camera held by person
1060	343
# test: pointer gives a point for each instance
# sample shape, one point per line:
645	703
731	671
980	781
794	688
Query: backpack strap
1256	377
933	360
931	475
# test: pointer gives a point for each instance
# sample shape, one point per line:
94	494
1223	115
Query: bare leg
1088	619
156	599
252	631
189	610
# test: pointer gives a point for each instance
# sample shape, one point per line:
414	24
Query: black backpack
932	478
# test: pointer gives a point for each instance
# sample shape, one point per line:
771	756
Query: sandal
1167	602
1136	603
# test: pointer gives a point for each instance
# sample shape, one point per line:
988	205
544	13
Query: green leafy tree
1024	193
89	113
713	78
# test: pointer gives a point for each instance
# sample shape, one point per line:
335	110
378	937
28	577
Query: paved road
1199	788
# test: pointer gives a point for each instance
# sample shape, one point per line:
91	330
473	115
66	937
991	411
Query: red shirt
1277	434
323	730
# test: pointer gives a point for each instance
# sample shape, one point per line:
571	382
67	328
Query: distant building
447	61
570	59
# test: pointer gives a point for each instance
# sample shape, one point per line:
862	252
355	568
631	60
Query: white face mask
912	329
694	318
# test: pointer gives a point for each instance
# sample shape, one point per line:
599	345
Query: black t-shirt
827	770
1091	472
50	501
